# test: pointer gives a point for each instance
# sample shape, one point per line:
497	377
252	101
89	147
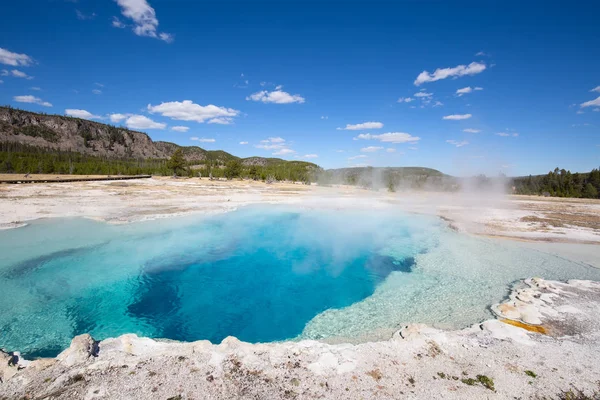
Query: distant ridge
64	133
412	171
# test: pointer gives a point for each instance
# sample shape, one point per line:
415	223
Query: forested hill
392	178
560	183
33	142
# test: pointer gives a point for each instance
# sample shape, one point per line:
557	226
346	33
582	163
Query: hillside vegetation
392	178
39	143
561	183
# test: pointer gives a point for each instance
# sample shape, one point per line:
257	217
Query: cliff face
61	133
74	134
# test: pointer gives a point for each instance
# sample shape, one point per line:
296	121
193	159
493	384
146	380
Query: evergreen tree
590	191
177	162
233	169
253	173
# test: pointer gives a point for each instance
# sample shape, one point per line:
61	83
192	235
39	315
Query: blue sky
337	83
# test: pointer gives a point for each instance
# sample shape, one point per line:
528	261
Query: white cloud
340	151
142	122
596	109
143	17
364	125
457	143
19	74
167	37
464	90
116	22
596	89
324	117
220	121
591	103
37	89
275	143
283	152
243	142
371	149
83	114
467	90
390	150
481	54
83	16
356	157
438	104
423	94
506	134
269	146
443	73
1	81
97	91
405	99
180	128
189	111
16	73
277	97
580	112
15	59
32	99
471	130
117	117
457	117
310	156
390	137
203	140
99	84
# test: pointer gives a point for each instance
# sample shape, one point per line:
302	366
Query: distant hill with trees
56	144
391	178
560	183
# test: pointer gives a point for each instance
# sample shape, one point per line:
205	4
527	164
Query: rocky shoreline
544	341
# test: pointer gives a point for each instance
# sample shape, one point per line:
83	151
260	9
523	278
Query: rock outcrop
73	134
63	133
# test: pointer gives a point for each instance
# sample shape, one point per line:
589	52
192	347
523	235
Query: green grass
531	374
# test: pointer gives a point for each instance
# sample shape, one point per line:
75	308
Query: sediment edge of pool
544	340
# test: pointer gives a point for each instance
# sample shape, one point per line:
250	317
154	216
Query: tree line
273	170
561	183
25	159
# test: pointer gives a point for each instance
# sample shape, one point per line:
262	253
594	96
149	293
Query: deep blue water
258	274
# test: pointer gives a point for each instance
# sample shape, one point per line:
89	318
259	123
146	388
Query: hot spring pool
260	274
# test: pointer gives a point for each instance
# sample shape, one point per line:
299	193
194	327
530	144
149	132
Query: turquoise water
256	274
260	274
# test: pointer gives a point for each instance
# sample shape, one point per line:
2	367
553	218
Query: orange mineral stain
527	327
